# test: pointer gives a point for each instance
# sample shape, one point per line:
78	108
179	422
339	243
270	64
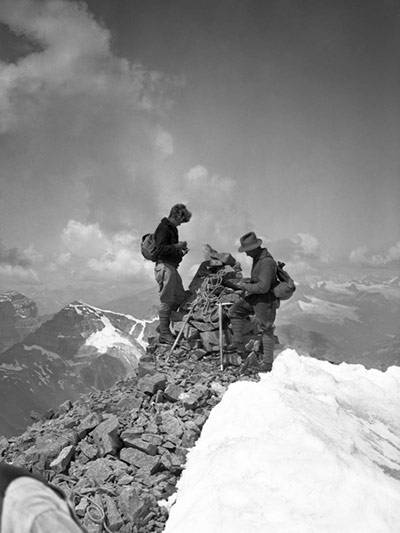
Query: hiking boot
236	347
165	335
166	338
268	352
265	367
232	359
251	364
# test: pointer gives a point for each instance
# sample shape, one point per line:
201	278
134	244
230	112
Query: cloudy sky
281	117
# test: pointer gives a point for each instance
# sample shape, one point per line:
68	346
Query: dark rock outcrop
18	318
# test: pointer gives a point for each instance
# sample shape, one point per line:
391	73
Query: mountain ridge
79	349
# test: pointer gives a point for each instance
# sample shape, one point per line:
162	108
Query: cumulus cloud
16	274
18	265
163	142
199	179
302	249
79	119
90	254
218	215
83	240
13	257
307	246
364	256
74	60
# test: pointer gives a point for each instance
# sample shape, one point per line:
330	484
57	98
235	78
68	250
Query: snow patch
312	447
15	367
47	353
106	338
331	311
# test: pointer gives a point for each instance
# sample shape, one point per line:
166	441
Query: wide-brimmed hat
249	242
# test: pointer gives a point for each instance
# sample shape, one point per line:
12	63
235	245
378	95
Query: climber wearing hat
258	299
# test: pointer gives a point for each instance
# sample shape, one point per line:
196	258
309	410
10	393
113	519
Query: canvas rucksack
148	247
285	286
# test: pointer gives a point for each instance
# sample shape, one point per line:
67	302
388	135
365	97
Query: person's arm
30	506
265	278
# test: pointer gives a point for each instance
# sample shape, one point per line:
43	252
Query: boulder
135	507
89	423
141	460
61	463
105	436
152	383
172	392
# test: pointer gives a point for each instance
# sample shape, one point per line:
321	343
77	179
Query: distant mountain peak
80	348
24	306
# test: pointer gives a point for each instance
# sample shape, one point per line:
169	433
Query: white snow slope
311	448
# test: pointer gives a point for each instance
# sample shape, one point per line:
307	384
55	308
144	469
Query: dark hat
249	242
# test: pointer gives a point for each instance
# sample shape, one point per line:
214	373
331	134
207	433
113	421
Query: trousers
170	285
256	304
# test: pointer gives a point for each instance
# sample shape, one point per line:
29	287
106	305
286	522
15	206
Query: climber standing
170	252
258	299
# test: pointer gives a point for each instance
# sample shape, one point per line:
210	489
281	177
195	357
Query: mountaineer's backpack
285	285
148	247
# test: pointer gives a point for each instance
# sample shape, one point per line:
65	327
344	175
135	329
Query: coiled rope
94	511
207	299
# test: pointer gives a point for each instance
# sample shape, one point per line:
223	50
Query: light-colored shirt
29	506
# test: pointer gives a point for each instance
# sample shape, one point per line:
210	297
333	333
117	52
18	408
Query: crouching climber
258	299
28	504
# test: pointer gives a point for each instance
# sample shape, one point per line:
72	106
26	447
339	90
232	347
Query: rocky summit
119	453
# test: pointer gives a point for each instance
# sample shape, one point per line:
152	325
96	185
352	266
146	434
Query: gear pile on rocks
119	453
198	327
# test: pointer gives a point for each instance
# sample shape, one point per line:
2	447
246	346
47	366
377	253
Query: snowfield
310	448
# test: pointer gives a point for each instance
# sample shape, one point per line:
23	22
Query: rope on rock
206	304
94	511
207	299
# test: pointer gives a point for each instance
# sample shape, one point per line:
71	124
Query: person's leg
266	314
166	279
237	313
180	295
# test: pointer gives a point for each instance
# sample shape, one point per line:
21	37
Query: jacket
166	236
263	274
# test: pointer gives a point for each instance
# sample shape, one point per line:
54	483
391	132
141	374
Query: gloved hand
182	247
240	286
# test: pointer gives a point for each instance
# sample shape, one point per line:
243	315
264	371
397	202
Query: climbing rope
207	299
94	511
205	305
